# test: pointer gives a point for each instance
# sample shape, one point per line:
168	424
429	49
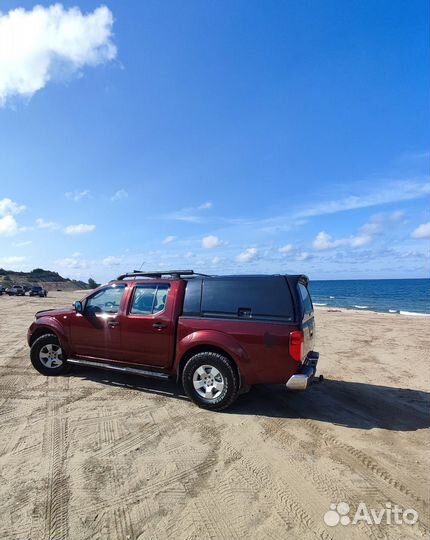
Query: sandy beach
104	456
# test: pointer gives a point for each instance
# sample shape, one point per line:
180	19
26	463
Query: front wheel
210	380
47	356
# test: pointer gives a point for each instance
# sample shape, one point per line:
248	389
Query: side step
121	369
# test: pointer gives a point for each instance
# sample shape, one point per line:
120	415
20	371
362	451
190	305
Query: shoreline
338	309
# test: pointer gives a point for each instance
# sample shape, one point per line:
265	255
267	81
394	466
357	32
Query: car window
149	299
306	299
193	293
106	300
254	298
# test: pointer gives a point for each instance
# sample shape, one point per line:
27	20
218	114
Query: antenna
140	267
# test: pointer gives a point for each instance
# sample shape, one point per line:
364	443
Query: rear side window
306	298
193	293
149	299
253	298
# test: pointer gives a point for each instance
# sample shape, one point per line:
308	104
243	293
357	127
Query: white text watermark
389	514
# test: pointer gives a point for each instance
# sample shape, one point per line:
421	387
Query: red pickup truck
217	334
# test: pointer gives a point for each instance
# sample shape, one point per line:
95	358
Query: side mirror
78	306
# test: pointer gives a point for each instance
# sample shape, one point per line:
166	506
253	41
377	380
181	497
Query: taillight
296	345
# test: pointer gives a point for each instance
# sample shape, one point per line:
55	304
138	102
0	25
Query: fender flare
213	339
47	325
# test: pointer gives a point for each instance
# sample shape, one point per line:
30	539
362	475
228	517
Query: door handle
113	323
159	325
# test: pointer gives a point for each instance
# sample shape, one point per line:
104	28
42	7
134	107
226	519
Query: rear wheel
47	356
210	380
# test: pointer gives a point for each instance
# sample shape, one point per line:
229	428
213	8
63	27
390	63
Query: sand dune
100	455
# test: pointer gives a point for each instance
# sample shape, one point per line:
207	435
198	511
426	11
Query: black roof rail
159	274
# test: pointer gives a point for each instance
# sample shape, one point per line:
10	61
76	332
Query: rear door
307	316
148	325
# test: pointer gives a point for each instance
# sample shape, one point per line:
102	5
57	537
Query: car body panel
259	349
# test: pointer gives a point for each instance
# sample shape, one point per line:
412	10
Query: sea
404	296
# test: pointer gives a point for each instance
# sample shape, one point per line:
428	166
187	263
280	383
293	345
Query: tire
46	356
208	373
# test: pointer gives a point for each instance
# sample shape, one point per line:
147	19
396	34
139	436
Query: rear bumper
303	378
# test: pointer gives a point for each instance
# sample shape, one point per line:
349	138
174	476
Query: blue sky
228	136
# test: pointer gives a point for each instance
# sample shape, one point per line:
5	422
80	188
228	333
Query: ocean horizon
404	296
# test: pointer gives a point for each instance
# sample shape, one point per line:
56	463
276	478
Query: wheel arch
207	347
43	329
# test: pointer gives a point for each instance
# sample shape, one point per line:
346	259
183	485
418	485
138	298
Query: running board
121	369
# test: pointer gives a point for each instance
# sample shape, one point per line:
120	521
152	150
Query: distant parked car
16	290
38	291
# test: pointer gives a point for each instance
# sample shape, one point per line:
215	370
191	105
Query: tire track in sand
57	501
284	499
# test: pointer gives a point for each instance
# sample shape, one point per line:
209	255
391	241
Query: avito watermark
390	514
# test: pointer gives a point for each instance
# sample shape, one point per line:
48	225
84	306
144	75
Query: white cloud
359	240
119	195
397	215
365	234
111	261
391	192
190	215
51	225
45	43
211	241
75	262
76	196
324	241
12	260
285	249
22	244
423	231
205	206
79	229
70	229
9	207
371	228
248	255
168	240
8	226
303	256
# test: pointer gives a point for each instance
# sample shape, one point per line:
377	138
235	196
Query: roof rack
159	274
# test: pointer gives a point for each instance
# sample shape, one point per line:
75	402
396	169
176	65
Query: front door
148	325
96	331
